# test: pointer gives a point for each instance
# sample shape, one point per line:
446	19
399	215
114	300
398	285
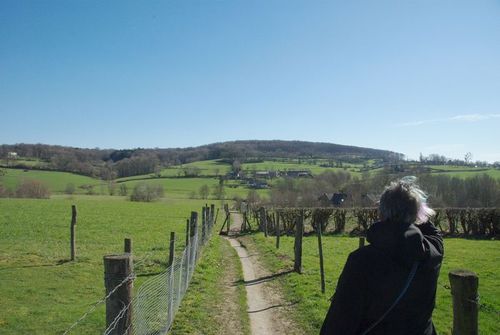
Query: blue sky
409	76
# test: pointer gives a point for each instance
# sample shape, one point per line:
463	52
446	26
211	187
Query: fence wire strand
158	299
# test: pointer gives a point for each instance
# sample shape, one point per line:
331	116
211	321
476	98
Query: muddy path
267	310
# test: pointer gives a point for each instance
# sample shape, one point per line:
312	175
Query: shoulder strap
405	288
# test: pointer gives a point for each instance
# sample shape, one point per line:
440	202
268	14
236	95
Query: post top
117	257
462	273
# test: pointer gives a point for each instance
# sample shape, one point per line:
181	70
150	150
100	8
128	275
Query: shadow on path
262	279
274	306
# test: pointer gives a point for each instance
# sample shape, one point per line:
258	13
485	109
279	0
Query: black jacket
374	276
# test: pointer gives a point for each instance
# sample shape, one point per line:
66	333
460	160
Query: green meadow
479	256
43	293
54	180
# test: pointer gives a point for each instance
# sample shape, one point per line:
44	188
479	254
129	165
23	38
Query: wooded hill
100	162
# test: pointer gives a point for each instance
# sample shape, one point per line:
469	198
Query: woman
389	286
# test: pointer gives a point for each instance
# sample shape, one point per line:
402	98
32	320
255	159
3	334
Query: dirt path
266	306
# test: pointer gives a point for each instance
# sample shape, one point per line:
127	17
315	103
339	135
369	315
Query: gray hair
404	202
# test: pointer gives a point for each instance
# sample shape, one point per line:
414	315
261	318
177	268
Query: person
389	286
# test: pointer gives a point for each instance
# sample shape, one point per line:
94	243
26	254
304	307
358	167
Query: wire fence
156	301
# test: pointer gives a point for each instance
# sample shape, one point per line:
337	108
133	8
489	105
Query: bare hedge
465	222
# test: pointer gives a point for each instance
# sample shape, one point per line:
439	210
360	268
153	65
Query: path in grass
266	306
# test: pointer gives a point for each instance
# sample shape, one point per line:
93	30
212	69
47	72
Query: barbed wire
477	301
132	276
114	323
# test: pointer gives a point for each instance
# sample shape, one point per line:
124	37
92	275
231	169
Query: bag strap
405	288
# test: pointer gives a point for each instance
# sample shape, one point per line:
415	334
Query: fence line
156	301
464	283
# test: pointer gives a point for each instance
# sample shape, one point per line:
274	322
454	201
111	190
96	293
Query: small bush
123	189
146	192
32	189
70	188
89	189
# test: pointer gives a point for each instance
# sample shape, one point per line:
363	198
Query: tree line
130	162
481	190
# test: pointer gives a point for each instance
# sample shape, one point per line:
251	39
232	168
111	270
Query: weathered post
118	271
243	210
188	256
299	231
127	246
72	233
212	215
216	216
278	231
321	265
203	224
228	216
263	220
361	242
194	236
171	278
464	286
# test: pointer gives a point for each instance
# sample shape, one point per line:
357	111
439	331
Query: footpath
267	309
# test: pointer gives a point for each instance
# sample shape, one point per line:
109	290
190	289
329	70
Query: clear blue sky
409	76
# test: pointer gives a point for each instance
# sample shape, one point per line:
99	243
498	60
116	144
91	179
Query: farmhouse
266	174
298	173
12	155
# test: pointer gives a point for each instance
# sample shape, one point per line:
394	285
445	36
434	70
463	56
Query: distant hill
290	149
101	162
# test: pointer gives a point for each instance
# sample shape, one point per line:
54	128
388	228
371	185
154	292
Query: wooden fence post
361	242
212	215
203	224
263	220
171	278
72	233
464	286
188	256
278	231
116	269
299	231
321	266
127	246
194	232
193	229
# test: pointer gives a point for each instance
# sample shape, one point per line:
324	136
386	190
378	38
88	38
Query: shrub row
473	222
27	189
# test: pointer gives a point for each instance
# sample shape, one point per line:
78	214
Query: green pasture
453	168
43	293
479	256
495	173
178	187
213	167
54	180
23	161
184	187
315	169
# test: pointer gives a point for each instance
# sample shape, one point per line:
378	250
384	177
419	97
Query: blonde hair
404	202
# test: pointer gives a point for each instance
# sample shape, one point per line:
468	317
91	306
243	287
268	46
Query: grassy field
55	181
495	173
42	293
478	256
